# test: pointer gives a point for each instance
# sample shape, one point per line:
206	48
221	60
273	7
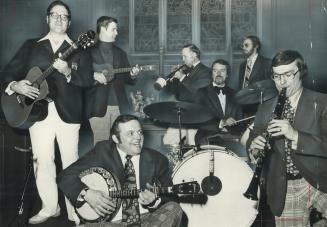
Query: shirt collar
123	155
253	58
50	37
196	63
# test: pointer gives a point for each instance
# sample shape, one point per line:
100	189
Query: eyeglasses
62	17
219	71
244	45
287	75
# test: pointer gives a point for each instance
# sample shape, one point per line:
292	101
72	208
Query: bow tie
222	89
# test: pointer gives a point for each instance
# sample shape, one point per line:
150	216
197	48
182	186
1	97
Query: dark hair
222	62
194	49
58	3
103	21
255	41
121	119
286	57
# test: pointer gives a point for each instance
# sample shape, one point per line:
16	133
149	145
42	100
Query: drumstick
244	119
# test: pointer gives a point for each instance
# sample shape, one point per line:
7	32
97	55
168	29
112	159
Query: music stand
20	211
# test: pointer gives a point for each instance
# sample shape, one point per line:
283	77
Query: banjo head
100	179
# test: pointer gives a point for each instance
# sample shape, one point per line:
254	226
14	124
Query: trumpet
252	190
162	82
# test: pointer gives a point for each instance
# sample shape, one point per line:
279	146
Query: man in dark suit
296	165
218	98
184	84
149	166
64	111
108	98
256	67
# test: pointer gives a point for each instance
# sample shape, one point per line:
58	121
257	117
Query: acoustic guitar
110	73
21	111
98	178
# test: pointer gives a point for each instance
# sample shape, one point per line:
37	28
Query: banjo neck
135	192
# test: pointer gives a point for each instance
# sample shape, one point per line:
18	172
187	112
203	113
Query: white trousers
43	135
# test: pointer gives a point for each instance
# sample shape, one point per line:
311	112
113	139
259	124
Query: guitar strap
131	209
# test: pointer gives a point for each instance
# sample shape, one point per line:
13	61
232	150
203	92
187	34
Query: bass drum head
227	208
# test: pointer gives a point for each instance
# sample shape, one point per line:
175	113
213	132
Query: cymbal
258	91
169	111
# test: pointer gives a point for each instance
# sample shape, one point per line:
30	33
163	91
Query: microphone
162	82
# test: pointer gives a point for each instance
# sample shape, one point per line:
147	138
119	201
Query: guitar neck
50	69
122	70
136	192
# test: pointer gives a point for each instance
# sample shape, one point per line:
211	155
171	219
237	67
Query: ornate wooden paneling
213	25
146	33
244	21
179	24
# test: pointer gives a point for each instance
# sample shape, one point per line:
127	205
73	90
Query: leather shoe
40	218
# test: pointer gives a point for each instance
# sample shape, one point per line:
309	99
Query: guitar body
100	179
22	112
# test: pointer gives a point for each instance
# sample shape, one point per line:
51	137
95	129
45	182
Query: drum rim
201	151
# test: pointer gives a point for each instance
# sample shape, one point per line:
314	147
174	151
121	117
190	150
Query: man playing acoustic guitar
63	108
124	156
108	99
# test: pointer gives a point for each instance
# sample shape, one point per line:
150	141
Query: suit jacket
200	76
208	98
153	166
66	96
260	70
96	98
311	155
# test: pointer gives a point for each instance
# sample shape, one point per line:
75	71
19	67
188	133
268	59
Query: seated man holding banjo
114	160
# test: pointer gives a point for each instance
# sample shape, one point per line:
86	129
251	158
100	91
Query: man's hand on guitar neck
62	67
24	87
134	71
148	198
100	202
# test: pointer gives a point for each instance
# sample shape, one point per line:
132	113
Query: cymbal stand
20	212
179	113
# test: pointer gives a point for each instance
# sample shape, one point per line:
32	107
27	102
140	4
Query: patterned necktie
288	114
247	73
131	209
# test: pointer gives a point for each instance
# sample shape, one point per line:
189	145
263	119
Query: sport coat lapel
146	169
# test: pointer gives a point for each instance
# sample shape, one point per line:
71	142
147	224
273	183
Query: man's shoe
40	218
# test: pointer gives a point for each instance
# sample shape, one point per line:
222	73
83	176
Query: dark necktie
131	210
220	89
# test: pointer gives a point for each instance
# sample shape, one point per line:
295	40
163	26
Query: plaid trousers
168	215
301	197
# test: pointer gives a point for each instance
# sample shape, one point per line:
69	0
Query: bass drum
227	208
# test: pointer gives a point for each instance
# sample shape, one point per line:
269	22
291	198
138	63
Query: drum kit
223	175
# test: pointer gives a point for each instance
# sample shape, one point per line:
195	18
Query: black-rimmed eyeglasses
287	75
62	17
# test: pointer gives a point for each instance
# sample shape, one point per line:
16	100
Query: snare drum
227	208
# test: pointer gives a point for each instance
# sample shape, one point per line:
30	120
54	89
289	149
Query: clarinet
252	191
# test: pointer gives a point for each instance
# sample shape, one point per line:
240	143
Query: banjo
98	178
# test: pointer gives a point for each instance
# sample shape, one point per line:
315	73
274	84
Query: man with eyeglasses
256	67
218	98
148	166
64	107
295	167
